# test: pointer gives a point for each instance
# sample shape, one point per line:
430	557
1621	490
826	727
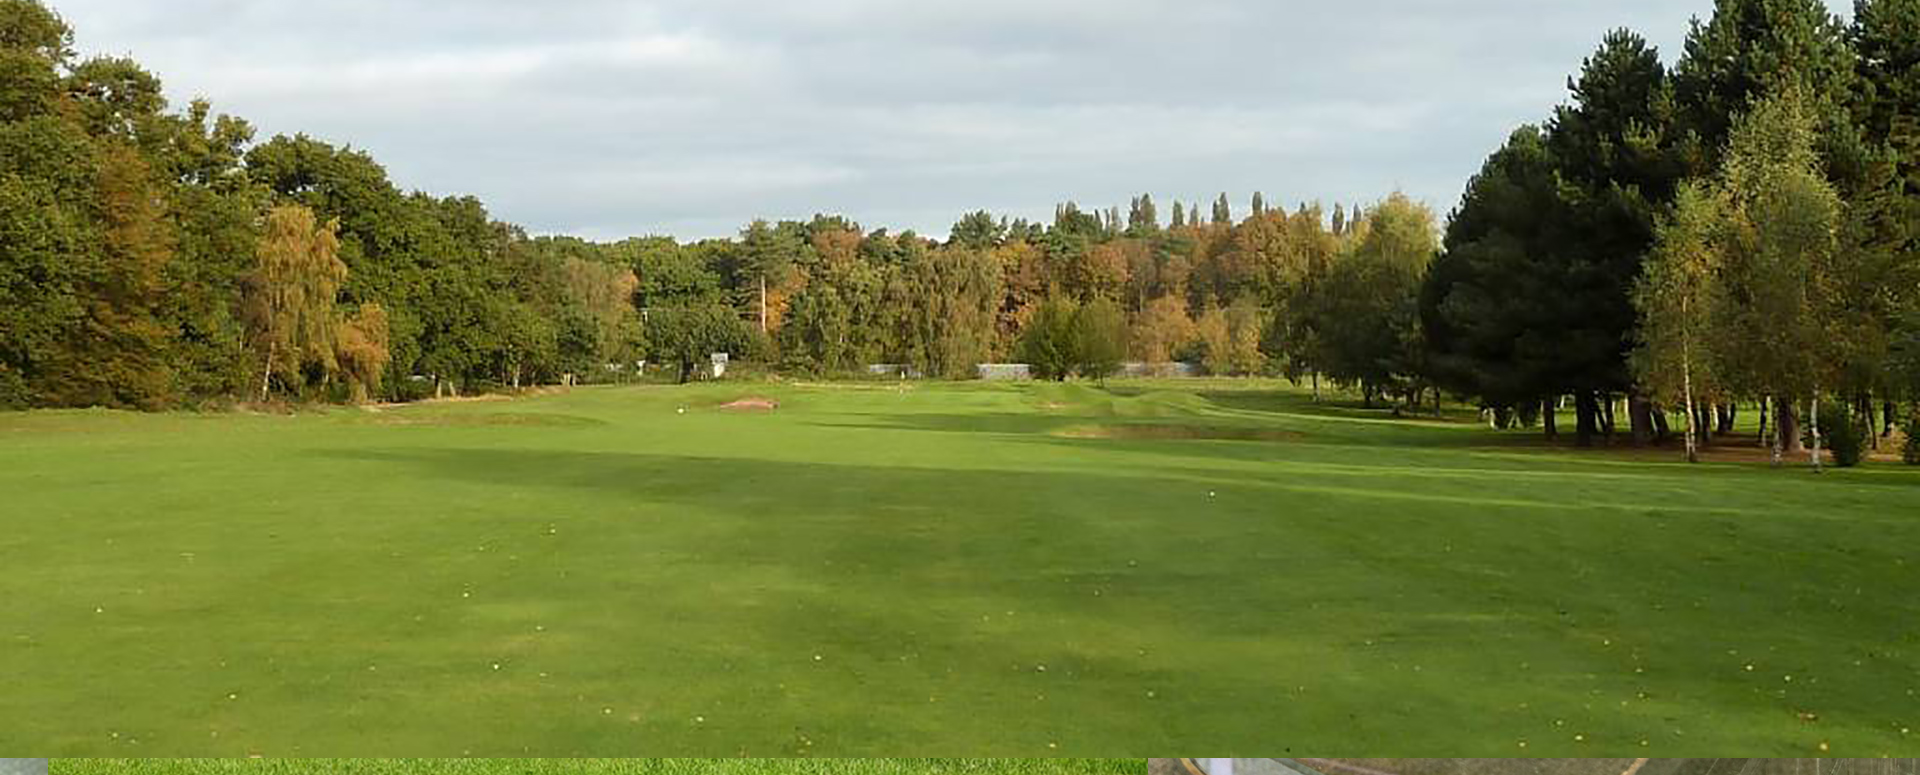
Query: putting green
983	569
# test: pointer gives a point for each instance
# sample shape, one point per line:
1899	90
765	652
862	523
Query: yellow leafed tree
290	298
362	350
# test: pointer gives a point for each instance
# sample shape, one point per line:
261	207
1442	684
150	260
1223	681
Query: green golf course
992	569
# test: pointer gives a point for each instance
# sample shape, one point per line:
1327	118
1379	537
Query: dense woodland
1739	229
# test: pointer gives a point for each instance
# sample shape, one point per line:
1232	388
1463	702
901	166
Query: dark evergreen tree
979	230
1143	219
1490	307
1750	49
1618	166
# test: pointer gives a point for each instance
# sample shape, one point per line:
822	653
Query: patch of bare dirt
267	409
483	398
751	404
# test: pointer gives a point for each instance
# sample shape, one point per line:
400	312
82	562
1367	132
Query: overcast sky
610	118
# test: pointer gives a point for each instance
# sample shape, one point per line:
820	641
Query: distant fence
1005	372
1015	372
895	370
1159	370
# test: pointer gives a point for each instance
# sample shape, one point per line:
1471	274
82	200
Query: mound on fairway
753	404
874	572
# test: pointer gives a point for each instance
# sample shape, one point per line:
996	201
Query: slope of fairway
980	569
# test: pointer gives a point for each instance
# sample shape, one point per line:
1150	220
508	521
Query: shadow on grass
1304	569
1013	517
1251	422
1072	549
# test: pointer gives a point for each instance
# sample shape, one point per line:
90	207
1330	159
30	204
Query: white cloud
608	118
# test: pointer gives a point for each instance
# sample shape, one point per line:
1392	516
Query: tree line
154	258
1738	229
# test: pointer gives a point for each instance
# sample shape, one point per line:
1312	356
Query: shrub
13	389
1528	414
408	389
1048	342
1910	452
1841	433
1099	339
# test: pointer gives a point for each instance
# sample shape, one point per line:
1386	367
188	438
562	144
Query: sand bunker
753	404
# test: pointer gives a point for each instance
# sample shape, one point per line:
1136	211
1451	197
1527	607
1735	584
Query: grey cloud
689	117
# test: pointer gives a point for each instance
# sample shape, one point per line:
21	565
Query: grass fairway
601	766
986	569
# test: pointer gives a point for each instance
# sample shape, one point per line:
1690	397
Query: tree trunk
1786	430
1693	437
1640	410
1863	419
1787	424
266	379
1549	411
1813	414
1702	419
1766	414
763	304
1587	411
1316	387
1662	433
1607	418
1888	409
